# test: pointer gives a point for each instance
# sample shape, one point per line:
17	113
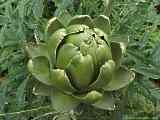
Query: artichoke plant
78	63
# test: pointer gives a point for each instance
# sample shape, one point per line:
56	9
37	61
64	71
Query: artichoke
79	63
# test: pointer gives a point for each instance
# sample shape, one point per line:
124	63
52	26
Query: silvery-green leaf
81	71
105	75
107	102
64	17
103	23
3	20
82	19
53	25
65	54
121	78
40	69
107	5
42	89
60	80
62	102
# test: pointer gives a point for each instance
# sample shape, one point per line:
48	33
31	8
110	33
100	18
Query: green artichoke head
79	63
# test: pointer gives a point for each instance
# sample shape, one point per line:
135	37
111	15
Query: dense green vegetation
23	21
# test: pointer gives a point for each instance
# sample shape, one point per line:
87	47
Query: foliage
22	21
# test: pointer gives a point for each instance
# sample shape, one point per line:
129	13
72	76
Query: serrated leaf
20	94
3	20
38	6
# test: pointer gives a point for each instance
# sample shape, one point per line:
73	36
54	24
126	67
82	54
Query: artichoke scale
121	78
60	80
78	28
65	54
105	75
81	71
39	67
77	39
54	41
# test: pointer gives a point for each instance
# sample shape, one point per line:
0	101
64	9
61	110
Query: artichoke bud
77	60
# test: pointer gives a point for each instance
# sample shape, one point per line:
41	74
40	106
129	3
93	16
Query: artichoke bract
79	63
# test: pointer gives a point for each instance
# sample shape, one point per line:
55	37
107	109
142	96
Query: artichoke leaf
121	78
107	102
40	69
62	102
81	70
103	23
53	25
82	19
37	50
105	75
65	54
42	89
60	80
